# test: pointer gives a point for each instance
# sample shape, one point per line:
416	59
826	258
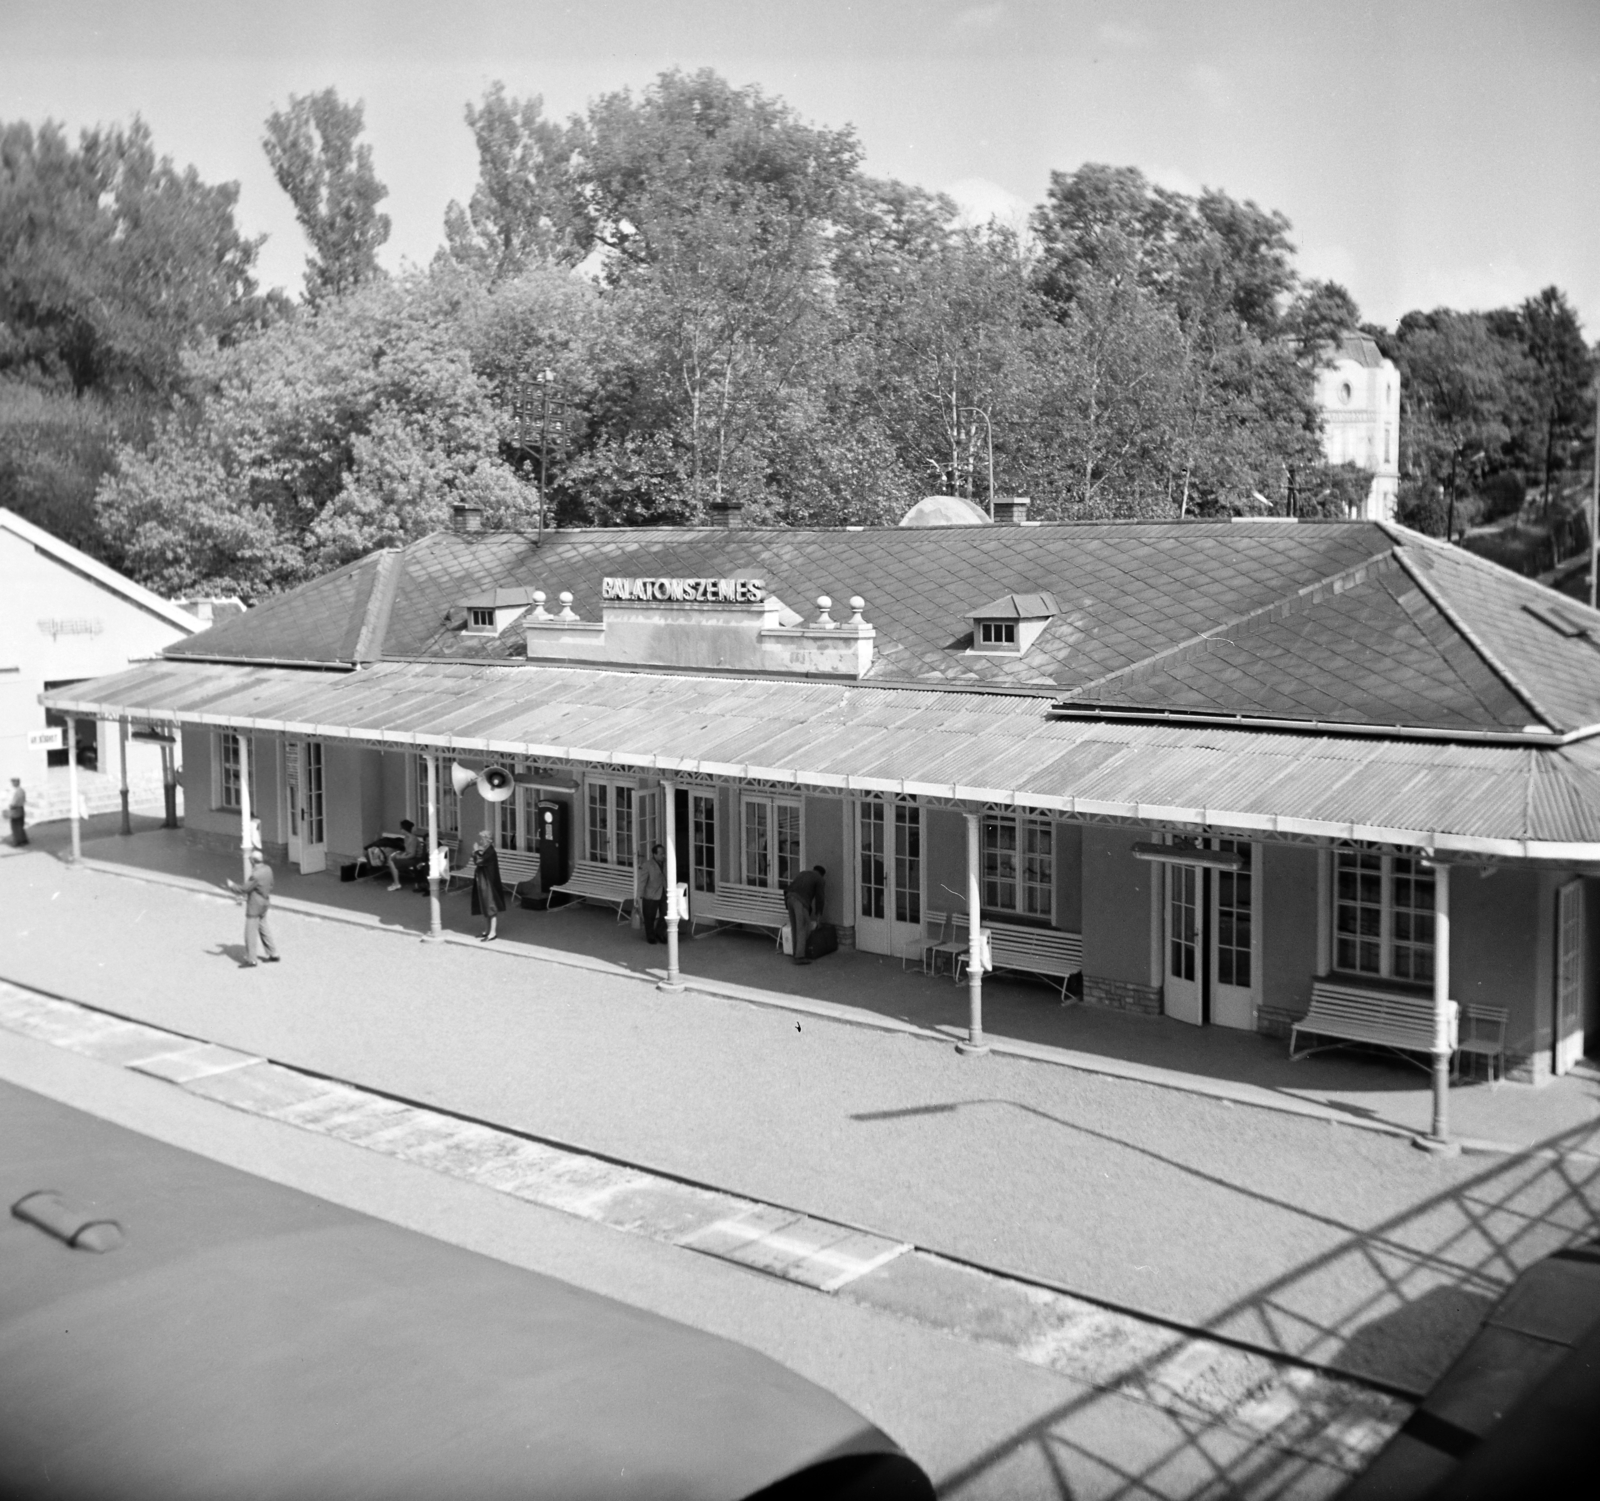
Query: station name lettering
687	591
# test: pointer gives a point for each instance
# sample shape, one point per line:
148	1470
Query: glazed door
646	834
1569	976
889	878
1183	988
306	810
291	764
702	842
1234	930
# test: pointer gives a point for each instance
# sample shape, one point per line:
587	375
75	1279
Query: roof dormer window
489	613
1008	626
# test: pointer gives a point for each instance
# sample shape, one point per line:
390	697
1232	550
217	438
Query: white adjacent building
1358	393
65	617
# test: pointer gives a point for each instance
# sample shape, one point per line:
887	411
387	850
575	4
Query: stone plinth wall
1122	995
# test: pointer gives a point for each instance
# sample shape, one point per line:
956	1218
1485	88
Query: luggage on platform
824	939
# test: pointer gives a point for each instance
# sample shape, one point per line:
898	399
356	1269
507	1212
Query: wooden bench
517	868
1349	1012
750	906
593	882
1048	953
1483	1035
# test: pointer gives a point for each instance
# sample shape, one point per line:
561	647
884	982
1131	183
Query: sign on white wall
47	740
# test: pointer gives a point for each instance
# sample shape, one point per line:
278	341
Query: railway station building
1195	769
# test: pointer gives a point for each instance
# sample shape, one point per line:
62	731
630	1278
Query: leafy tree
944	359
327	172
1423	507
715	205
1319	317
354	426
1338	491
524	208
53	449
651	165
112	261
1202	256
1456	380
1112	401
1553	342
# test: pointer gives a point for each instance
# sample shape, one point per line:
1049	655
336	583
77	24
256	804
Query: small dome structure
945	510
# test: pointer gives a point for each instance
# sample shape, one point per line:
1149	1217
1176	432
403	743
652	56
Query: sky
1427	152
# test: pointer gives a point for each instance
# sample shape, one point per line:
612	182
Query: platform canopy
1483	801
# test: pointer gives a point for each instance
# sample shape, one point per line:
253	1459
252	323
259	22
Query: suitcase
823	939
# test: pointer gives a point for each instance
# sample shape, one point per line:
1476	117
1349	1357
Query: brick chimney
467	518
1011	510
724	513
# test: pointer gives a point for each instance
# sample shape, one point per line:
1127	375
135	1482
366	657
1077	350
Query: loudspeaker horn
495	784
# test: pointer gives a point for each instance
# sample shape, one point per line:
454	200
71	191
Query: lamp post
989	427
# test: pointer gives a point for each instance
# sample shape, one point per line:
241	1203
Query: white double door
305	814
1212	952
889	876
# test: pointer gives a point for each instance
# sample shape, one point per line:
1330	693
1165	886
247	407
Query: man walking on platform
804	897
654	896
257	894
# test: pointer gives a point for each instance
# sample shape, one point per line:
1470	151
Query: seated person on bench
404	865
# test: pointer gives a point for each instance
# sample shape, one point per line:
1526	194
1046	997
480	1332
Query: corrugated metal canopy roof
1509	801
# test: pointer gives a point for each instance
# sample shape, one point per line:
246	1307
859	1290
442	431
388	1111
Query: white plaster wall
1364	430
35	588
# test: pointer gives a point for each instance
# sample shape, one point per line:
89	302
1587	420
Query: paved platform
1316	1424
1345	1247
1022	1018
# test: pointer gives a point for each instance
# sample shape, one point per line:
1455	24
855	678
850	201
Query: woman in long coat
488	897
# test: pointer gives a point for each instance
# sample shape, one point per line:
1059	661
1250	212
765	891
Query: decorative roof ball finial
857	605
566	606
824	619
539	612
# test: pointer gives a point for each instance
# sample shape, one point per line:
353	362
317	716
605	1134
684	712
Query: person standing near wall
654	898
257	894
804	897
18	813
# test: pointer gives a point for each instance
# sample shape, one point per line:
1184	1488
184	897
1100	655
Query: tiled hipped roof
1345	622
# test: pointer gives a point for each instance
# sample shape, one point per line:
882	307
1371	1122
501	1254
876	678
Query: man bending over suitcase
804	897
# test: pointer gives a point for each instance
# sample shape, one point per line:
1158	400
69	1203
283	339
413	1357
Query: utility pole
522	412
545	377
1594	498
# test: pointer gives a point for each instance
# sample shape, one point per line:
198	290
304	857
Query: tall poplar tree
319	161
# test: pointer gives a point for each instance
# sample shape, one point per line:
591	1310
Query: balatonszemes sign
686	591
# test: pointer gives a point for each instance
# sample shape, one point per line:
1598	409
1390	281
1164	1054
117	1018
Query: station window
226	762
449	800
480	619
771	841
1018	866
608	821
1383	916
998	635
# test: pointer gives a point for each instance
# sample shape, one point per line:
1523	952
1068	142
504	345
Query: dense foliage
685	299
